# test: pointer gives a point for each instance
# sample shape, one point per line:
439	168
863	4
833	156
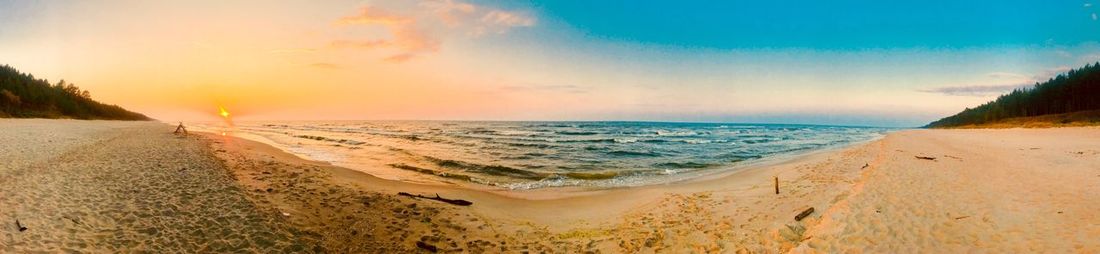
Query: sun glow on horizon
557	60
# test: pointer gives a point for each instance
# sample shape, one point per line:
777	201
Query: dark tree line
1077	90
23	96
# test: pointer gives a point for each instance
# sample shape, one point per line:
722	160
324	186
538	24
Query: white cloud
1007	75
423	27
406	36
478	20
546	88
452	13
507	19
1009	81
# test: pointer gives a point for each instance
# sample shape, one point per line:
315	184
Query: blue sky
878	63
831	25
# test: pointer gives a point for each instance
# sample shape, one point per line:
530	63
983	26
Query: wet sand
986	190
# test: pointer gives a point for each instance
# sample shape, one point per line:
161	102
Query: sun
222	112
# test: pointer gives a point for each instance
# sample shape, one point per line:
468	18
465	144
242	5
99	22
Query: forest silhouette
24	96
1074	91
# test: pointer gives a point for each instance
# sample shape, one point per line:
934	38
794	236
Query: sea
533	155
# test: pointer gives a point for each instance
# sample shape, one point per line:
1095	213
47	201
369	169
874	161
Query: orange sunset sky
485	60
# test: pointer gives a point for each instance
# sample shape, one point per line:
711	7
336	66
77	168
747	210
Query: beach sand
1005	191
109	186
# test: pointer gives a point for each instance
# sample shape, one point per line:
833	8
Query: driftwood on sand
20	226
926	158
457	202
804	214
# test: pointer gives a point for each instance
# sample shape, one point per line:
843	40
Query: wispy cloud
546	88
399	57
1090	58
423	28
328	66
1007	75
452	13
478	20
1011	82
497	21
409	39
975	90
291	50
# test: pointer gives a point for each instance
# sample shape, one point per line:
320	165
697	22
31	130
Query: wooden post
777	185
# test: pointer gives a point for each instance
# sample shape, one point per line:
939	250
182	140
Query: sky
874	63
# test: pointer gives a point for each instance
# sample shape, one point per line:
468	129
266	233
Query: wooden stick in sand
776	185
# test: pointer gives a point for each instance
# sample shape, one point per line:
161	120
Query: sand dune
102	186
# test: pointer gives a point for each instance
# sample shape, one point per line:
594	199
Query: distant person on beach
180	128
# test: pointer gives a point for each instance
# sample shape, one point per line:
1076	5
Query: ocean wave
704	141
625	140
592	175
576	133
481	131
758	141
434	172
537	155
518	133
529	145
738	157
496	170
678	165
677	133
321	138
634	153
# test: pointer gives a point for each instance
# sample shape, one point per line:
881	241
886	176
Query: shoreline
609	216
739	210
553	192
549	193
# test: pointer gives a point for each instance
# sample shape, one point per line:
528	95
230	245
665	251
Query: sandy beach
105	186
111	186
